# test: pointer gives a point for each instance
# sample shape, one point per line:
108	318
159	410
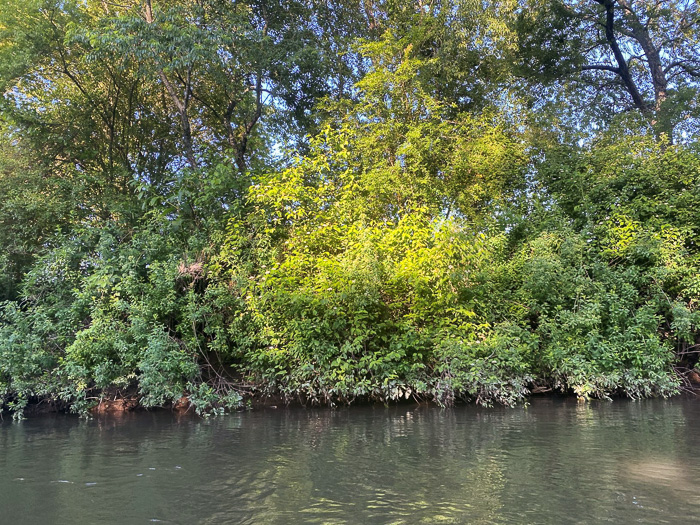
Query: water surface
555	461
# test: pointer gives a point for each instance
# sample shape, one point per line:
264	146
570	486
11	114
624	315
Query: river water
555	461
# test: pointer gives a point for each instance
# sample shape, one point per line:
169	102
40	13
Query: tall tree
618	55
225	67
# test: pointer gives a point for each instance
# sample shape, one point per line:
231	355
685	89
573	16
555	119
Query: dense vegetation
341	200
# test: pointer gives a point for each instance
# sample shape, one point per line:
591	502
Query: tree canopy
347	200
618	55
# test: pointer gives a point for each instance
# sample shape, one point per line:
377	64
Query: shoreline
116	406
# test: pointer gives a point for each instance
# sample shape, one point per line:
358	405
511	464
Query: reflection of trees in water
555	461
401	465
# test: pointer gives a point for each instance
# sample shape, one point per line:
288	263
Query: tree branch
624	71
601	67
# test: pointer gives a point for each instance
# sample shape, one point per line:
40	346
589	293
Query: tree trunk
661	122
181	104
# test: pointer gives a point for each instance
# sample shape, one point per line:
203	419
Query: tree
225	67
617	56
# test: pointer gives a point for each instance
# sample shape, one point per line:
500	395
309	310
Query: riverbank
124	401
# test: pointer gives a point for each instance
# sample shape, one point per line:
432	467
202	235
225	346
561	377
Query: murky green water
555	461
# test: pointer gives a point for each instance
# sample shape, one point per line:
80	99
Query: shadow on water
556	461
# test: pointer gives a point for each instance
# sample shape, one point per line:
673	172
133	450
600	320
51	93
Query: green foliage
600	60
106	311
430	238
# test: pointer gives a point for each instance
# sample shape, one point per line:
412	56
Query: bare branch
601	67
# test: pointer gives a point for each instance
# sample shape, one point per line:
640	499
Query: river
555	461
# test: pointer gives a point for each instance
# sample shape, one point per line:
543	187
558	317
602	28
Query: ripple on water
550	463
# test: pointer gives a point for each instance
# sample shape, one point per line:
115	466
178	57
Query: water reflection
556	461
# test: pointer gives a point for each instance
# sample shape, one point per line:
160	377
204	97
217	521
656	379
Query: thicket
337	203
